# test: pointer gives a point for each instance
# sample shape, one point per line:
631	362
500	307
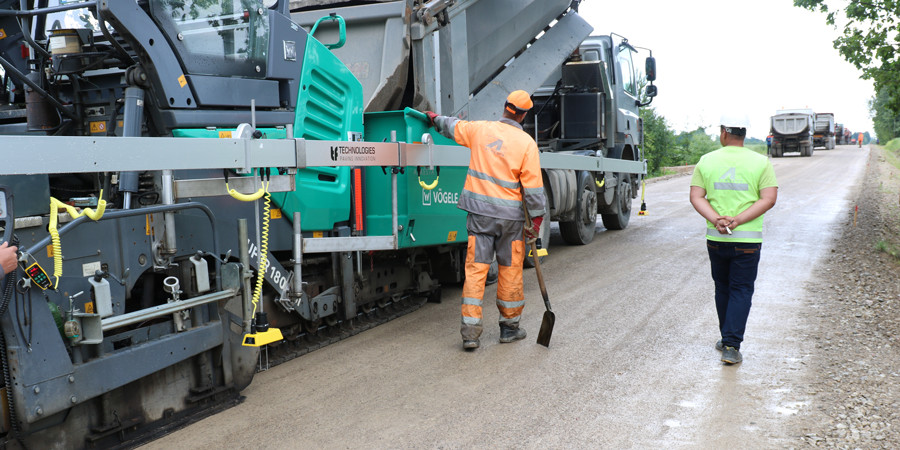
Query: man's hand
431	115
8	257
534	231
724	224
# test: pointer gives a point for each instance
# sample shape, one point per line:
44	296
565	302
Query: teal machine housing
428	217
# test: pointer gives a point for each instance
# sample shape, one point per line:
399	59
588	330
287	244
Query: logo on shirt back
728	181
496	147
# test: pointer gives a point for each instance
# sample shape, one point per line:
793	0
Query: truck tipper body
792	131
823	135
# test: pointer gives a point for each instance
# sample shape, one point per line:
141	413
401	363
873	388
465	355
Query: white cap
730	120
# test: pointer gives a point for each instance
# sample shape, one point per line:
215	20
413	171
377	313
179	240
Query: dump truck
206	189
823	135
792	131
839	134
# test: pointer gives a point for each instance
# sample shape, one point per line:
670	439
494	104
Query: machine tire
581	230
545	232
619	220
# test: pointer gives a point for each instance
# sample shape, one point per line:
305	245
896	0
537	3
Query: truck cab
592	101
590	106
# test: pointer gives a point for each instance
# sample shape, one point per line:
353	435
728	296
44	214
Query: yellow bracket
540	252
600	183
246	197
431	186
262	338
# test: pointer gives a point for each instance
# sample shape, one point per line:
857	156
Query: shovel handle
540	276
537	262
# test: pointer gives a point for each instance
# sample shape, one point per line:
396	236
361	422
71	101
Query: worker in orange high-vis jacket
504	171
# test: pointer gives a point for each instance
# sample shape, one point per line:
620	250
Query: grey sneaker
510	334
720	346
731	355
471	344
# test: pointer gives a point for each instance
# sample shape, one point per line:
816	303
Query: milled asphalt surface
631	363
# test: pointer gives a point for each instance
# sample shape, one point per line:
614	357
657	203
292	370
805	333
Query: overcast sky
714	56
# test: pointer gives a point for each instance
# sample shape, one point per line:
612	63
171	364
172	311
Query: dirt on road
853	323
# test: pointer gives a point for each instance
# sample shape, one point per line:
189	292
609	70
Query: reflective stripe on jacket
504	163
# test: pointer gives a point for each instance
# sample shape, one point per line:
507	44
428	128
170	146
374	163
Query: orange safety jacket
504	164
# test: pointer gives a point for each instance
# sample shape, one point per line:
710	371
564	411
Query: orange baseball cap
518	102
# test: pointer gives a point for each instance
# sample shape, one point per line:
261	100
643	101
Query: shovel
549	317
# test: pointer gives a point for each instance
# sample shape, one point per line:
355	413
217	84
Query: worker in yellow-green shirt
732	188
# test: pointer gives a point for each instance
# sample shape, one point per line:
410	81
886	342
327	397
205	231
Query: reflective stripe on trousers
489	236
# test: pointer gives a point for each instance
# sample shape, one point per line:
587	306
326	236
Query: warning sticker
224	135
451	236
182	81
2	34
275	213
98	127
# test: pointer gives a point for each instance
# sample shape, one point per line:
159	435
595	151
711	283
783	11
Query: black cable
9	282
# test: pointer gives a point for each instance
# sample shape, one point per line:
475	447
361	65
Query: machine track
299	344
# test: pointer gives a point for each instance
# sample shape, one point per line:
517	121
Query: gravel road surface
631	363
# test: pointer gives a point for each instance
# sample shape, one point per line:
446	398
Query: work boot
720	346
731	355
509	333
471	344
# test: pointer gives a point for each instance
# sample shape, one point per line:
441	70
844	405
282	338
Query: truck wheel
619	220
545	232
581	230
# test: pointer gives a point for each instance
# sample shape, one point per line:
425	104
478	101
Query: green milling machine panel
330	107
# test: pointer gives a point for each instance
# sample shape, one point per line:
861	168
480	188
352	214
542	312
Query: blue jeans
734	268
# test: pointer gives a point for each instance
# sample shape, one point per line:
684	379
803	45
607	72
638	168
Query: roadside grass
663	171
892	152
889	248
758	148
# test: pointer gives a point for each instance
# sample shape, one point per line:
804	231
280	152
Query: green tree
694	144
658	140
869	41
887	122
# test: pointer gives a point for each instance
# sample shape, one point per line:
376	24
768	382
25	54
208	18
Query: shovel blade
546	329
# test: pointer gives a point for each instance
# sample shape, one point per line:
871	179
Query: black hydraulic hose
124	57
9	282
11	69
26	31
541	109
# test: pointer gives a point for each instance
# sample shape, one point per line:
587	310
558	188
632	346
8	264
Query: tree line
869	42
